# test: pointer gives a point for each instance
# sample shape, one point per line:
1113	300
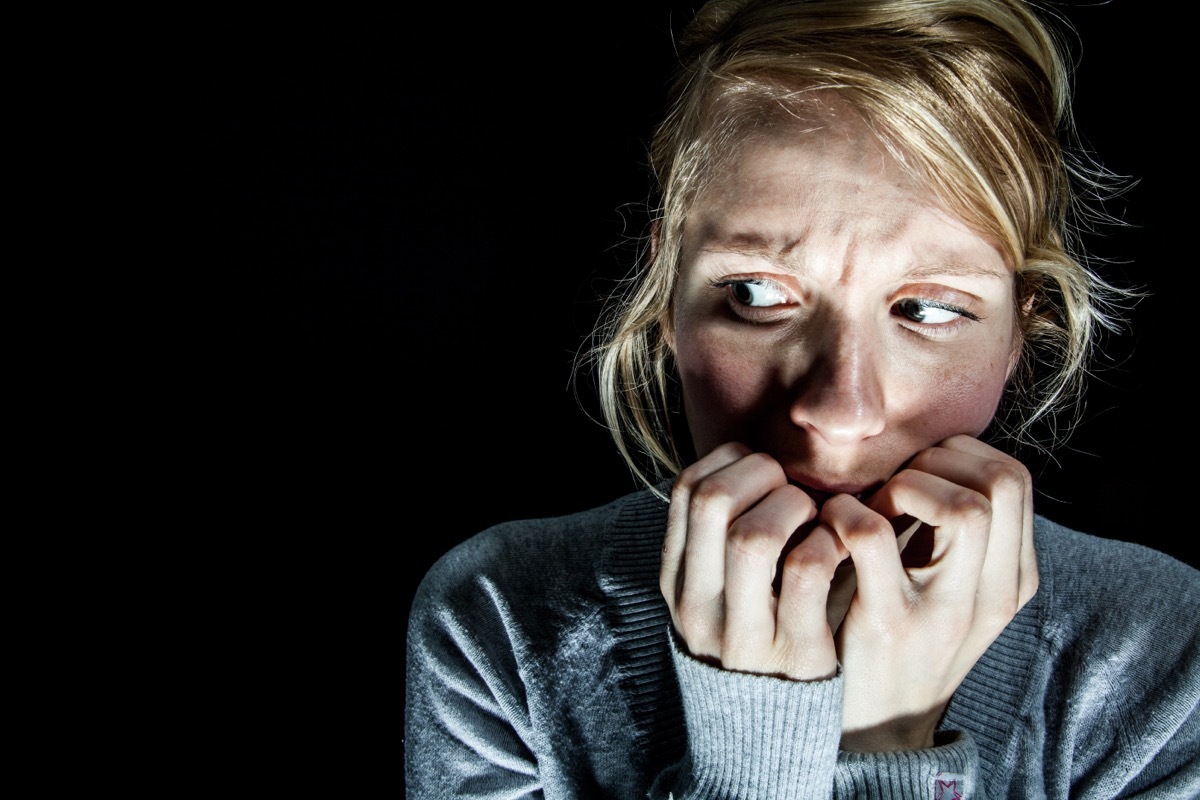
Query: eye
930	312
756	293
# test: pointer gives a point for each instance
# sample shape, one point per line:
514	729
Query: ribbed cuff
756	736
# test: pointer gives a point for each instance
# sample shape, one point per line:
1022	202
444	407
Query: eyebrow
954	268
755	246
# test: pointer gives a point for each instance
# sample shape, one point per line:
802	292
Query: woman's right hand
731	515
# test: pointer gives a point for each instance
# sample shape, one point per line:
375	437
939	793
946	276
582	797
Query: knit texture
541	664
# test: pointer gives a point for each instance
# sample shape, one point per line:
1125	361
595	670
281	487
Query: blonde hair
971	96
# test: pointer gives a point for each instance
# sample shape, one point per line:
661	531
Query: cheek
722	386
961	400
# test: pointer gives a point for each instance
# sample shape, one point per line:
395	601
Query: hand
914	630
732	514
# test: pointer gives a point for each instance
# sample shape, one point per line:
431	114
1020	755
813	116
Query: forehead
833	185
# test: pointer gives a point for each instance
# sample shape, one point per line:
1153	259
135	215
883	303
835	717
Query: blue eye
929	312
755	293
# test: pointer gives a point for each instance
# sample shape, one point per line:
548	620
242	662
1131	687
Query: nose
839	397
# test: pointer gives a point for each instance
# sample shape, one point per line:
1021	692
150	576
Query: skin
842	341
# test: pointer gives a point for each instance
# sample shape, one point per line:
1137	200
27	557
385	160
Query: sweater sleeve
756	736
466	721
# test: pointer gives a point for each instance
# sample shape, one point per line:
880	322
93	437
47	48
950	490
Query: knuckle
766	462
685	482
732	450
1007	476
705	492
805	573
920	462
970	506
797	497
751	540
838	501
693	616
869	527
902	480
714	491
707	501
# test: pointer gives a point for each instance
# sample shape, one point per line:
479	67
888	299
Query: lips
820	492
817	496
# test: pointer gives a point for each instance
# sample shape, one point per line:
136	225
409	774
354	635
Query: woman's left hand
912	632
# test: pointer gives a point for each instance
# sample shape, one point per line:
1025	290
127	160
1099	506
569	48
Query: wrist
914	732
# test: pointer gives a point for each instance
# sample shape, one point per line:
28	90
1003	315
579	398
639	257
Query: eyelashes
931	311
754	299
754	292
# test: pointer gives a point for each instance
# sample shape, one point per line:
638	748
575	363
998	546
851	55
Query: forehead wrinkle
786	251
751	246
743	233
750	243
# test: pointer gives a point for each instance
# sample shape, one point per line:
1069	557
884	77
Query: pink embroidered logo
948	787
947	791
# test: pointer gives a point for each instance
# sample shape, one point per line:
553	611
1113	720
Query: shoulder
537	560
1081	565
1120	624
1119	602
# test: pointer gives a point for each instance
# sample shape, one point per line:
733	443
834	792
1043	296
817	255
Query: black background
421	213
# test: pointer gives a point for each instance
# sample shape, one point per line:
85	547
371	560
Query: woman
860	285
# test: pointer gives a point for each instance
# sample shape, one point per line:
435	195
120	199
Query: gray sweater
540	664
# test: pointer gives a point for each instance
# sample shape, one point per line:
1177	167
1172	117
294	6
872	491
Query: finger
845	582
675	539
752	553
803	619
1010	575
870	540
1028	582
714	504
957	525
939	498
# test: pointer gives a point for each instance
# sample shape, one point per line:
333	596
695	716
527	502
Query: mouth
820	492
818	497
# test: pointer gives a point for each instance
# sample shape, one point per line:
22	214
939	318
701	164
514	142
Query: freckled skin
836	385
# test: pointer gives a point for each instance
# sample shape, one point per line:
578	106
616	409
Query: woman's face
830	312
